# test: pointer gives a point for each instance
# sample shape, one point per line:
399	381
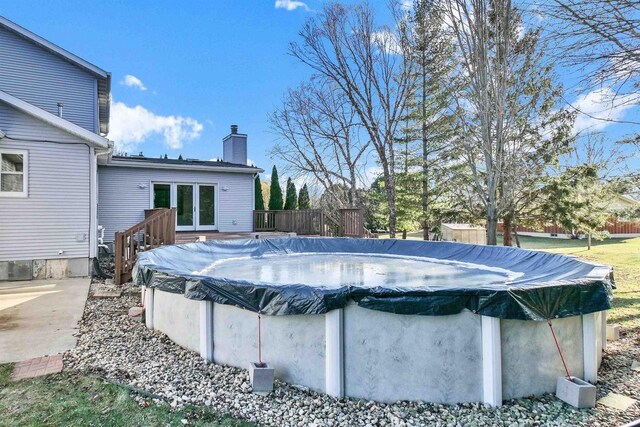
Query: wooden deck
193	236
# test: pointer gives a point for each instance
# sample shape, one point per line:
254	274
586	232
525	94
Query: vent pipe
234	129
60	107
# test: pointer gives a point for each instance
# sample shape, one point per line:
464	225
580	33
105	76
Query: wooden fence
158	228
352	222
312	222
613	226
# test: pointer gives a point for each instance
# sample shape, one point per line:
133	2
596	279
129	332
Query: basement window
13	173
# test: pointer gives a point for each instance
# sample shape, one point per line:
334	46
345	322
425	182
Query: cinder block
261	377
137	313
613	332
576	392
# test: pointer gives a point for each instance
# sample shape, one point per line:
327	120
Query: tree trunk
589	241
492	225
506	235
425	155
515	234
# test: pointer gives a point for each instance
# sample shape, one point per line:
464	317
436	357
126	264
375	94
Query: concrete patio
39	317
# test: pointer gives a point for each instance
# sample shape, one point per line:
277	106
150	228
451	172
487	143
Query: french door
196	207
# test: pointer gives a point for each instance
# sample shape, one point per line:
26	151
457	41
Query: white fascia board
143	165
94	139
53	48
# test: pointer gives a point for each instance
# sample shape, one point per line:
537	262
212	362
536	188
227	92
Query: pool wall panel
178	317
293	345
531	364
390	357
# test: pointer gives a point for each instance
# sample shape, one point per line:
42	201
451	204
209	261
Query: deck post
590	347
206	330
148	307
334	353
491	361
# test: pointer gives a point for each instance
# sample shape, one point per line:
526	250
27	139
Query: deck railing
312	222
158	228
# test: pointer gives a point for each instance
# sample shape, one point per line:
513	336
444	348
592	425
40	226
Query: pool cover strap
549	286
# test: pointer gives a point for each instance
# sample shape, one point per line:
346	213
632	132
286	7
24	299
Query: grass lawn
78	400
622	254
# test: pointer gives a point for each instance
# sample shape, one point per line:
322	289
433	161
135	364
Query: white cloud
387	41
250	162
406	4
133	81
597	109
290	4
131	126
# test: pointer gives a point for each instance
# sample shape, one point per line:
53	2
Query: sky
183	72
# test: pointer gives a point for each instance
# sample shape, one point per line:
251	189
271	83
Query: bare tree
319	136
602	37
512	126
366	63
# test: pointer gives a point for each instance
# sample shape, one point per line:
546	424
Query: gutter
151	165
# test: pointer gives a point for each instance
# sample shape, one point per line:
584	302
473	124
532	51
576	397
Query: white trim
491	361
53	48
590	347
93	200
148	307
334	353
53	120
603	330
25	174
215	207
193	186
192	167
206	330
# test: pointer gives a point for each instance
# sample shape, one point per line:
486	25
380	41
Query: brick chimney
235	147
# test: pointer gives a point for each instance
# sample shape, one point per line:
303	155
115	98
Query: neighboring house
57	171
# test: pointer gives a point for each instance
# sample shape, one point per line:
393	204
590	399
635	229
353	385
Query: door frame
215	206
196	203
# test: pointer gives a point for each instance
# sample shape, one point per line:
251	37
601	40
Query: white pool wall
374	355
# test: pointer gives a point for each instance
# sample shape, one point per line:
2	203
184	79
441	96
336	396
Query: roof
53	120
103	77
180	164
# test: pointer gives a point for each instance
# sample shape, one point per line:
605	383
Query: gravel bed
125	351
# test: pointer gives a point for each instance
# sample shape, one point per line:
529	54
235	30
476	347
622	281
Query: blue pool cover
397	276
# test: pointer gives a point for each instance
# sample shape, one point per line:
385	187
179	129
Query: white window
13	173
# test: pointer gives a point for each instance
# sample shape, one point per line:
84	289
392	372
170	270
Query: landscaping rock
127	352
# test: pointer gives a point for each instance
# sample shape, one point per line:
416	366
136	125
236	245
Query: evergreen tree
291	199
258	194
275	195
304	202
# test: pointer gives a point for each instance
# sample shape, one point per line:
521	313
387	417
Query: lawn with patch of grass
622	254
69	399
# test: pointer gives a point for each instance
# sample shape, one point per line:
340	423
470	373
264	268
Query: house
207	195
59	179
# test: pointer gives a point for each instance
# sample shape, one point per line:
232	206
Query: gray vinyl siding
124	193
37	76
55	215
18	125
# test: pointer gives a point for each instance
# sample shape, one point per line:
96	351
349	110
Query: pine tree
291	199
258	194
304	202
275	195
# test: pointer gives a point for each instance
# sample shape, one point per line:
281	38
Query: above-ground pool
383	320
